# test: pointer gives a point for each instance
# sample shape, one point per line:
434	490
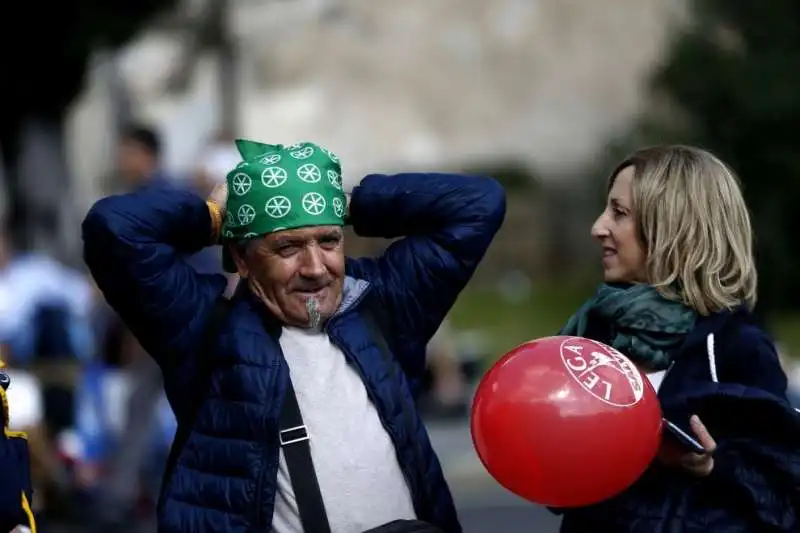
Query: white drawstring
712	358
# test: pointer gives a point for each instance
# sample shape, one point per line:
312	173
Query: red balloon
565	421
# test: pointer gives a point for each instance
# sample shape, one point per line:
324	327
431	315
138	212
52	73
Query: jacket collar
715	323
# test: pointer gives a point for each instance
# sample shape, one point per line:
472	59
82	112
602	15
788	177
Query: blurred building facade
418	84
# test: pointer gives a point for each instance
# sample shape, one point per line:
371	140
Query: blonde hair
693	222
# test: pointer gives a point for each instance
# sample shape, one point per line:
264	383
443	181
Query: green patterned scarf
644	325
280	187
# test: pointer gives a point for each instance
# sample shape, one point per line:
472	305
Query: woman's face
615	229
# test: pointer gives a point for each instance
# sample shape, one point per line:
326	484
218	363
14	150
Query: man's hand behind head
219	195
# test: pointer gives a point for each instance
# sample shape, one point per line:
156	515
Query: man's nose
313	265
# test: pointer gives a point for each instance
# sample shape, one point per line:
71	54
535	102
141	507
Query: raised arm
134	246
447	221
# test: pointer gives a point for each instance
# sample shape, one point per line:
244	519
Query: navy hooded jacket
225	476
727	372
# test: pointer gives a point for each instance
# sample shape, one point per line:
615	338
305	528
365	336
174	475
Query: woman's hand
699	464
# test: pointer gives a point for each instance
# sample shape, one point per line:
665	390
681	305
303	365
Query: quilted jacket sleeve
757	462
764	478
135	245
447	223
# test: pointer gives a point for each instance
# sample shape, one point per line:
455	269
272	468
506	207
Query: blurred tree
45	51
734	75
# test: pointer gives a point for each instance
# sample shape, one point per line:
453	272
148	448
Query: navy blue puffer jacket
225	476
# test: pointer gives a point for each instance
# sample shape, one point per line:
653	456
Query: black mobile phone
682	438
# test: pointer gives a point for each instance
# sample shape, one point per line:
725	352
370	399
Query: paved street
483	505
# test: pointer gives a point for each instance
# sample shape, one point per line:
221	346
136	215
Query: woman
680	284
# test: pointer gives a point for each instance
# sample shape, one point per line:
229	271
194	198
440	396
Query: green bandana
280	187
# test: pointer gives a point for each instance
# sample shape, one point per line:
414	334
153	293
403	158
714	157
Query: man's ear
237	254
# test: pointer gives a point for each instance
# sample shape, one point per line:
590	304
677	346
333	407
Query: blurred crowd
89	396
86	392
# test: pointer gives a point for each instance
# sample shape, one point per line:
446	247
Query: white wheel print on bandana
335	179
241	183
229	221
338	206
278	207
270	159
313	203
273	177
309	173
228	234
330	154
250	235
295	146
246	214
303	153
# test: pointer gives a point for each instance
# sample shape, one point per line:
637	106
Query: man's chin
310	309
320	298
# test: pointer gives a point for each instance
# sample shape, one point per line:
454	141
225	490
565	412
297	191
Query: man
297	329
15	478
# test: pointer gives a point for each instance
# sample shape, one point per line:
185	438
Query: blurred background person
45	310
117	442
132	443
140	149
446	389
792	369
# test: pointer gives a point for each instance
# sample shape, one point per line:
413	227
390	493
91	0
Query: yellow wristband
216	221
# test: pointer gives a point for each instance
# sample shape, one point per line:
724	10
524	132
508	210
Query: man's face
288	268
136	163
